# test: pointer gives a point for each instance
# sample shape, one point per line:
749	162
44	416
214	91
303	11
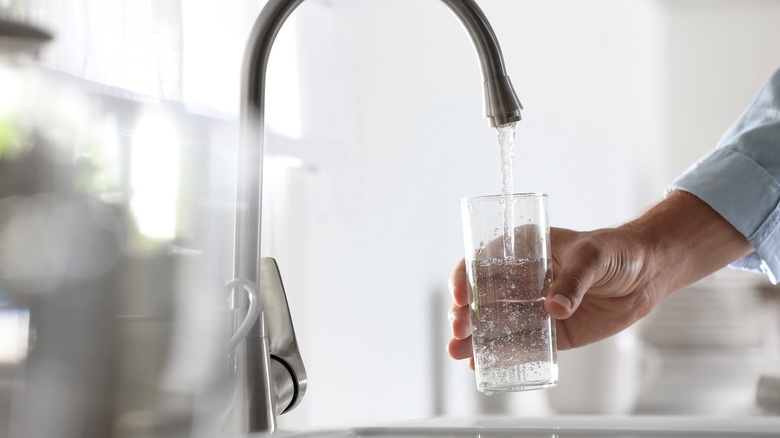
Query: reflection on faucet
257	402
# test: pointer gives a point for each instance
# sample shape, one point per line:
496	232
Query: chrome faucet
270	373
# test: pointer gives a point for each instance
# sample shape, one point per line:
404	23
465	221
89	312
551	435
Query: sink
565	427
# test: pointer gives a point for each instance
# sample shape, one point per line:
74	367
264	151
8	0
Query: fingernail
562	300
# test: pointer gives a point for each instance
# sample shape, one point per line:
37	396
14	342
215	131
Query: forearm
686	240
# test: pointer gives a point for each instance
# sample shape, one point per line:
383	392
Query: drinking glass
509	270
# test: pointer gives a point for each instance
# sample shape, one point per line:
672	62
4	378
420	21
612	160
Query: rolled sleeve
740	179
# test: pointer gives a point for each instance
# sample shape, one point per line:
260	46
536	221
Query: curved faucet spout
255	406
501	103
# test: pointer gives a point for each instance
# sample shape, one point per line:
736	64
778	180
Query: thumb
576	275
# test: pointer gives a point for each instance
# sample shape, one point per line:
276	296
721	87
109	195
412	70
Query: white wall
619	96
719	53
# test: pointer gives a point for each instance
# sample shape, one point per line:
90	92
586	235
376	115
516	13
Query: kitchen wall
619	97
717	55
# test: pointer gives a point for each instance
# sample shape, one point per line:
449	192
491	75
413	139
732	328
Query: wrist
684	240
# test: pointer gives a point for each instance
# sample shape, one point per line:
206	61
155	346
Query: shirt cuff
747	196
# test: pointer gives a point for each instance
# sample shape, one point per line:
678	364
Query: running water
513	336
506	144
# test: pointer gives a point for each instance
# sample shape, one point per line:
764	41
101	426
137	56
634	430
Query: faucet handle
287	370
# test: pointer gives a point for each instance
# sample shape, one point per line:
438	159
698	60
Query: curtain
134	45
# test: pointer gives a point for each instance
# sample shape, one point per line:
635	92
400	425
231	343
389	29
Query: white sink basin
565	427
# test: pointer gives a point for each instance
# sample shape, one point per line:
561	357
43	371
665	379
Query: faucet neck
501	103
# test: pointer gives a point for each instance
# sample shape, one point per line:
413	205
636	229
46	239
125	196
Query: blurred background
375	132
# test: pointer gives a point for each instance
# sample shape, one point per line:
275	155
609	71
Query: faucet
270	377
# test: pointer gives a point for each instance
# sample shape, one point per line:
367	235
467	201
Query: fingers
458	284
580	267
461	321
460	348
565	296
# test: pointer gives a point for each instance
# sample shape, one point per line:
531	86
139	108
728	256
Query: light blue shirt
740	179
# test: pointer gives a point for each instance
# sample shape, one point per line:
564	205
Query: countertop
564	426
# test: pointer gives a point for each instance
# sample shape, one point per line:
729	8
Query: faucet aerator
501	103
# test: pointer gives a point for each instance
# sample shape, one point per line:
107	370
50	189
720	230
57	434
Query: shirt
740	179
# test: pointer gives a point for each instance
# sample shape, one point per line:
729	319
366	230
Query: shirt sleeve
740	179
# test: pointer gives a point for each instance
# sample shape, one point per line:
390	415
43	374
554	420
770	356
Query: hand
605	280
605	263
604	284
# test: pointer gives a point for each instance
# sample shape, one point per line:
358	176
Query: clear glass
509	276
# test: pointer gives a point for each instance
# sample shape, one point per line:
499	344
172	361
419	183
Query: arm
740	179
614	277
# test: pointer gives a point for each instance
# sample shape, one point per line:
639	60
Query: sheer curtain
132	45
178	50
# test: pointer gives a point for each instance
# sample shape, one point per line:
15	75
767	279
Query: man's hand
606	280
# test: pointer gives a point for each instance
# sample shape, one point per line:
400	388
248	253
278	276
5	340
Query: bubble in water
512	332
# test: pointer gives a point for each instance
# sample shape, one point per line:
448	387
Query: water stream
506	144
